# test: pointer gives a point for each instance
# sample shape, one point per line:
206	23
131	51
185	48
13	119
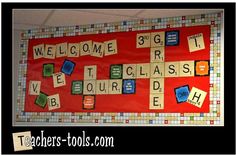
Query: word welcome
96	49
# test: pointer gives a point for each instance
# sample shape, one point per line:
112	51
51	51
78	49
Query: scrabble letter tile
157	39
90	72
102	87
34	87
186	68
196	97
115	86
50	51
61	50
98	49
172	69
157	70
73	50
157	54
89	87
156	101
143	70
22	141
38	51
53	102
143	40
156	85
110	47
85	47
59	79
129	71
196	42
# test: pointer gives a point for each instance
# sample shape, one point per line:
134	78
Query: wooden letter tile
73	50
143	70
157	39
156	101
157	54
50	51
196	42
172	69
59	79
98	49
90	72
143	40
85	47
129	71
102	87
53	102
115	86
89	87
157	69
22	141
110	47
61	50
156	85
186	68
38	51
34	87
196	97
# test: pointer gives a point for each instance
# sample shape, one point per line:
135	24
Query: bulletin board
150	72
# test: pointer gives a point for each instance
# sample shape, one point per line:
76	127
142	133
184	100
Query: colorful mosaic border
213	118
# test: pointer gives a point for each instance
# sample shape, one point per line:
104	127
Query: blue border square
172	38
128	86
68	67
182	93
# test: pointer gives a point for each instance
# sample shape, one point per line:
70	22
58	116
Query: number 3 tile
143	40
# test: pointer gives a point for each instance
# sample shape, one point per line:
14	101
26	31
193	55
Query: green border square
41	100
73	92
119	71
50	72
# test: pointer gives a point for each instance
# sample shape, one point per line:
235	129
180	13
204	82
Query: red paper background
127	53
